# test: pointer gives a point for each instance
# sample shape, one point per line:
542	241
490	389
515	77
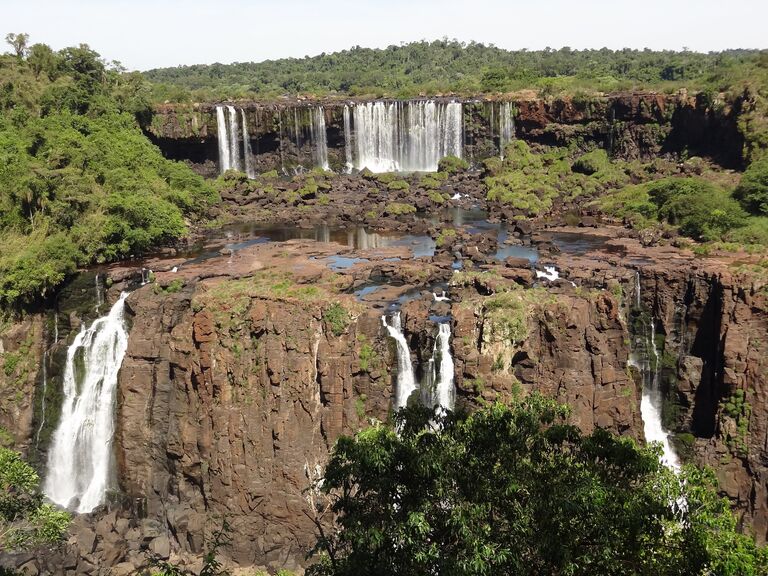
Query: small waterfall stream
406	380
348	140
319	136
506	126
444	391
645	357
437	388
80	457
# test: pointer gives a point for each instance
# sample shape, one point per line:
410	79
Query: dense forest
79	182
450	66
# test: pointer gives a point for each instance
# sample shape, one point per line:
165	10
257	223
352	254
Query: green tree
25	520
18	42
752	191
518	490
701	209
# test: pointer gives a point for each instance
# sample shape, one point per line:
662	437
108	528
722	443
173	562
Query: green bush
592	162
79	181
452	164
337	318
398	185
436	197
702	210
752	191
755	231
399	209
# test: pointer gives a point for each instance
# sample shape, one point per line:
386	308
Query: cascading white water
99	294
348	140
406	381
44	369
319	138
651	400
506	126
80	457
223	138
247	151
650	407
445	392
229	139
234	138
406	136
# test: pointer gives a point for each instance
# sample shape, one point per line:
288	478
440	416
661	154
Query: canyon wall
230	395
628	125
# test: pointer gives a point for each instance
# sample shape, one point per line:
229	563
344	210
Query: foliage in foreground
25	521
517	490
79	182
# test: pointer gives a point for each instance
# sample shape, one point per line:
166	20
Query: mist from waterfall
405	136
80	460
406	380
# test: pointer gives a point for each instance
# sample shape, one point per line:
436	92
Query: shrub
752	191
398	185
592	162
702	210
398	209
452	164
337	318
436	197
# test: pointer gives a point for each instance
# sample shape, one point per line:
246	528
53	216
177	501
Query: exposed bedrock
233	390
629	125
713	329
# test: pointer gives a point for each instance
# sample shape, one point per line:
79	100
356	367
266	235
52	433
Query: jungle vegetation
79	182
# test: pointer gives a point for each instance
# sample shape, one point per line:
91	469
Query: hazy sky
144	34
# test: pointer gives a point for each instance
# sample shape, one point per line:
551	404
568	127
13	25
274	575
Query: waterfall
221	127
444	390
506	126
44	368
651	405
234	138
229	149
247	152
80	458
319	138
229	139
407	136
348	139
652	400
99	294
406	381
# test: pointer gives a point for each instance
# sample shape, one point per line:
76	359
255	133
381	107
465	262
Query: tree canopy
79	182
452	66
518	490
25	520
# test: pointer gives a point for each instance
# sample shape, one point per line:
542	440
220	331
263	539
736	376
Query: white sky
145	34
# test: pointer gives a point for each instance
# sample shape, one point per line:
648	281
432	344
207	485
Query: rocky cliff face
235	387
712	329
628	125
